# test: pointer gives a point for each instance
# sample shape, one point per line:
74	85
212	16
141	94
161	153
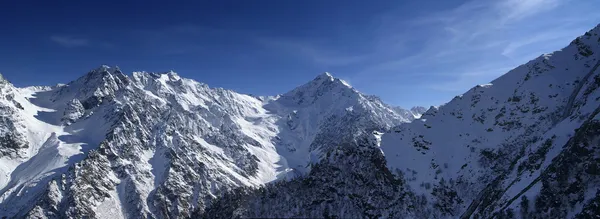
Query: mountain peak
322	84
173	75
326	79
418	109
97	83
102	68
163	77
325	75
3	80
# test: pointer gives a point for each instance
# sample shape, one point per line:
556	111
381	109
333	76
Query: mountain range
156	145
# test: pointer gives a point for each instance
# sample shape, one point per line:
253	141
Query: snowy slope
158	145
496	139
34	150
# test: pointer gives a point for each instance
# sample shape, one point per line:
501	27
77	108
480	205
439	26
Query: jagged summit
418	109
322	85
327	78
151	143
102	68
172	73
99	75
93	88
105	69
4	80
163	76
324	76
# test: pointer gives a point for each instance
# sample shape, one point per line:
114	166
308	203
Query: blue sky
407	52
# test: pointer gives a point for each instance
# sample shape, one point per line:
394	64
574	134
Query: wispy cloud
74	42
462	80
70	41
448	50
310	51
186	39
514	10
498	34
543	37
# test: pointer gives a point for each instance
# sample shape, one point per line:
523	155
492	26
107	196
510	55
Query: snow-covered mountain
526	145
108	145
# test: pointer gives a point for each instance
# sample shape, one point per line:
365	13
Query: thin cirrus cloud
69	41
498	35
310	52
519	9
442	52
305	49
76	42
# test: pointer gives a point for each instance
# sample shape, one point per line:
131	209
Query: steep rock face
12	139
92	89
524	146
161	146
73	111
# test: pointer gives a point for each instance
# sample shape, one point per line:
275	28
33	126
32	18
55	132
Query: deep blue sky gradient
407	52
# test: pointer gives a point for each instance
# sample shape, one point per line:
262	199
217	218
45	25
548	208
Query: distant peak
420	109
